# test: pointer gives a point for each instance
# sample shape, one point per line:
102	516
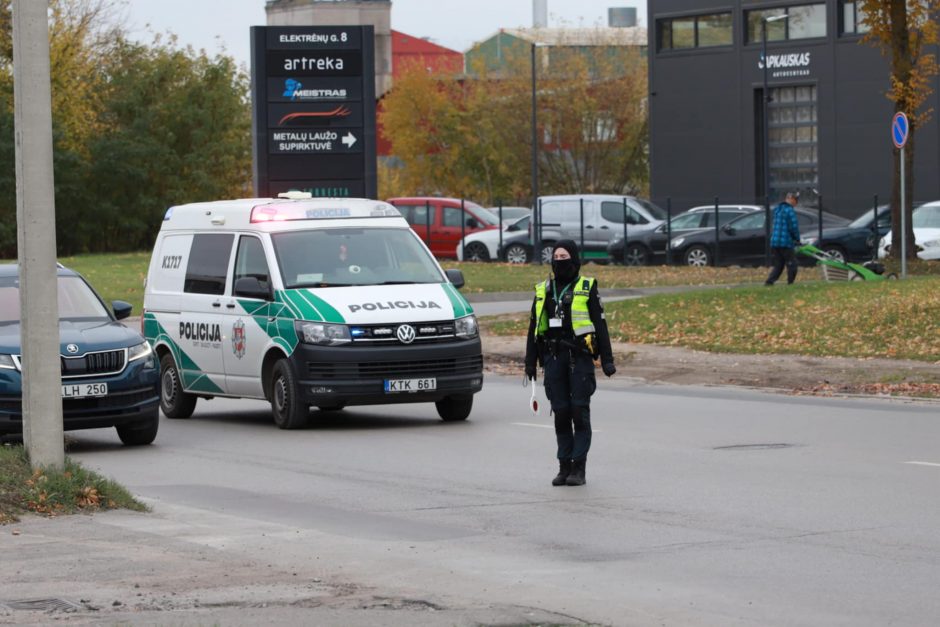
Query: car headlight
139	351
6	361
322	334
809	241
466	327
677	242
934	243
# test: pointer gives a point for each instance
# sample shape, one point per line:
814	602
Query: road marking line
532	424
923	464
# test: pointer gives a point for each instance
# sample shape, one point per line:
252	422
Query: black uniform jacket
533	350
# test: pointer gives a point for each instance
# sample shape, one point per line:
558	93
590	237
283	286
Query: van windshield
353	256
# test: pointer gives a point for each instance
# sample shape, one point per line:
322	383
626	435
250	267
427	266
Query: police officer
567	332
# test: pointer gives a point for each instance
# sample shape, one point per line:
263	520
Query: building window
696	31
792	139
805	21
853	18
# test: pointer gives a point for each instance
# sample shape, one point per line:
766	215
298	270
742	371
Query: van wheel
454	408
289	411
174	402
140	433
547	249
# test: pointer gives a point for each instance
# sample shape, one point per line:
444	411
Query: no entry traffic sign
899	129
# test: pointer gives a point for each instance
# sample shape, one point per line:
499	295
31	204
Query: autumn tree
136	128
473	137
906	31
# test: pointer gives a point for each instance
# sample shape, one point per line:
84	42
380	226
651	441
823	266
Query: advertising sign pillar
313	92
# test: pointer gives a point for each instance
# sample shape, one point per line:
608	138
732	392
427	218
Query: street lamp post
765	129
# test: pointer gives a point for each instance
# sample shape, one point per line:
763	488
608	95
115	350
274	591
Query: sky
217	25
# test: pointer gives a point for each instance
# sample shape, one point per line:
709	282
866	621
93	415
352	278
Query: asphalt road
703	506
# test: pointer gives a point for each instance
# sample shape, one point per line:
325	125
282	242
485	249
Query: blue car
110	377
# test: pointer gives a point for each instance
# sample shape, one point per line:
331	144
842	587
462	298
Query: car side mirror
251	287
455	276
513	227
472	223
730	230
121	309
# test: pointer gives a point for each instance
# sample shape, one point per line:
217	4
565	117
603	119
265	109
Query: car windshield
927	217
861	221
686	221
510	213
482	213
655	212
521	224
77	301
353	256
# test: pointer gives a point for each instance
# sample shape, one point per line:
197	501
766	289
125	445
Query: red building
409	52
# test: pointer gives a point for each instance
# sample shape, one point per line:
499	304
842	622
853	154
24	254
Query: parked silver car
593	219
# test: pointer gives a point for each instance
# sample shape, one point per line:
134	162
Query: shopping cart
835	270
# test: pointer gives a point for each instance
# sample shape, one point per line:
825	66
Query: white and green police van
306	302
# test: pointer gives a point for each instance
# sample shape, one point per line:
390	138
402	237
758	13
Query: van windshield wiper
321	284
400	282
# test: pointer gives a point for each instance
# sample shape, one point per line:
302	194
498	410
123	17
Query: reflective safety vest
580	316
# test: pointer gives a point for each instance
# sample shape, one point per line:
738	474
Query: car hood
378	304
920	236
88	336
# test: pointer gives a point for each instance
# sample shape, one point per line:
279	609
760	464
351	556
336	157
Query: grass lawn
50	493
893	319
507	277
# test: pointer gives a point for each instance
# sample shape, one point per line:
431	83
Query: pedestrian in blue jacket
784	237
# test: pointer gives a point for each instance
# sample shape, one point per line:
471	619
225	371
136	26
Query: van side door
247	315
200	331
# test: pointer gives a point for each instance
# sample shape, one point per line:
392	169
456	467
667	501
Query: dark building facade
829	118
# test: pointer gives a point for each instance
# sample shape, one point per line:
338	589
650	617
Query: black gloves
530	372
609	368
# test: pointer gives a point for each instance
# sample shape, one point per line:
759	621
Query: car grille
396	369
114	400
101	363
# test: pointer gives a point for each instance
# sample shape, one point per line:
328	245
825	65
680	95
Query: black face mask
565	269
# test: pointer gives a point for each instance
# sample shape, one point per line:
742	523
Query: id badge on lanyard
554	323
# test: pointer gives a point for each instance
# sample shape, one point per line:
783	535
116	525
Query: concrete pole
35	223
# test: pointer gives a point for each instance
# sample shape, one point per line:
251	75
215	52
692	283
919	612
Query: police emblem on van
238	338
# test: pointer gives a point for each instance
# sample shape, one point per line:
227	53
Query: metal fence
719	243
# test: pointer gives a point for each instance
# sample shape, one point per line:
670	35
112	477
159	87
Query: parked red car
446	226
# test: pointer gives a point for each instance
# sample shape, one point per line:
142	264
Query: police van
306	302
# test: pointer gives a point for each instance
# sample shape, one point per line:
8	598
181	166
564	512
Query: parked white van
306	302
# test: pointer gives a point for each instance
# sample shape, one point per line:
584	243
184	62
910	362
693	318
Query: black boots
570	472
564	469
576	476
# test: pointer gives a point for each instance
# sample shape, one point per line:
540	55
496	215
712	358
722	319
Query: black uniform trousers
569	384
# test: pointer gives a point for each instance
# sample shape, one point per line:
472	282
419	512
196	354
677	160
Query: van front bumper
357	375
